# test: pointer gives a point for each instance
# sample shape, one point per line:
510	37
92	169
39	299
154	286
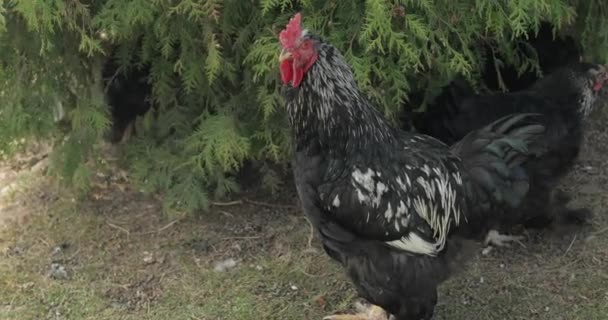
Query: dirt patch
139	294
124	260
14	177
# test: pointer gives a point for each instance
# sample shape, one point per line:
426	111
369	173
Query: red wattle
286	71
298	74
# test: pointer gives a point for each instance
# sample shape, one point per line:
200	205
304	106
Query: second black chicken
565	98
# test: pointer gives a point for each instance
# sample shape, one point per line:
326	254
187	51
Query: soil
130	261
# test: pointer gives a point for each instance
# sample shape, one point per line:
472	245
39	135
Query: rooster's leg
501	240
367	313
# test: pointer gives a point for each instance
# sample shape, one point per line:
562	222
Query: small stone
148	258
225	265
58	272
294	288
56	250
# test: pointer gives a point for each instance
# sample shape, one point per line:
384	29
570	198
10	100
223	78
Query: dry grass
124	261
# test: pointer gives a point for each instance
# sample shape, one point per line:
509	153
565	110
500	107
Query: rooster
564	98
394	208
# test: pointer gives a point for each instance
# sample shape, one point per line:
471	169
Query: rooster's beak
284	55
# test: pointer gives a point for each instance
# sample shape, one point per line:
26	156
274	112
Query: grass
125	261
105	252
122	267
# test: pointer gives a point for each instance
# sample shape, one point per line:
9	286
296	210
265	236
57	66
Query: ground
114	256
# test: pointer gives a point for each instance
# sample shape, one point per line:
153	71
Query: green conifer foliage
214	73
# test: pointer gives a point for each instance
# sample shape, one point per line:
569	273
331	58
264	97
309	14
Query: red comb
292	32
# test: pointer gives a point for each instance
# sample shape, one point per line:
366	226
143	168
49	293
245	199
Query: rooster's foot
501	240
371	312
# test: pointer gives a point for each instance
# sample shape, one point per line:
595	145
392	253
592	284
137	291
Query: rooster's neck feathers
329	109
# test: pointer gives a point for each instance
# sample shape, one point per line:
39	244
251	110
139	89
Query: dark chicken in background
552	53
497	74
127	93
564	97
391	206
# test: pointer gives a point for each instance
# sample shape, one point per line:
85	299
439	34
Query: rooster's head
298	52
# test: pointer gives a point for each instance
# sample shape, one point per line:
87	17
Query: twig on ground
227	214
70	258
161	229
44	241
226	204
570	246
312	275
118	227
600	231
271	205
167	226
563	267
255	203
242	238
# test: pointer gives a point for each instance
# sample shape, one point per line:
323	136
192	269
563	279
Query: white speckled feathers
411	205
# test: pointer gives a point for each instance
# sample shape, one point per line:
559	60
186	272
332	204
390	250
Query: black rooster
564	98
389	205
